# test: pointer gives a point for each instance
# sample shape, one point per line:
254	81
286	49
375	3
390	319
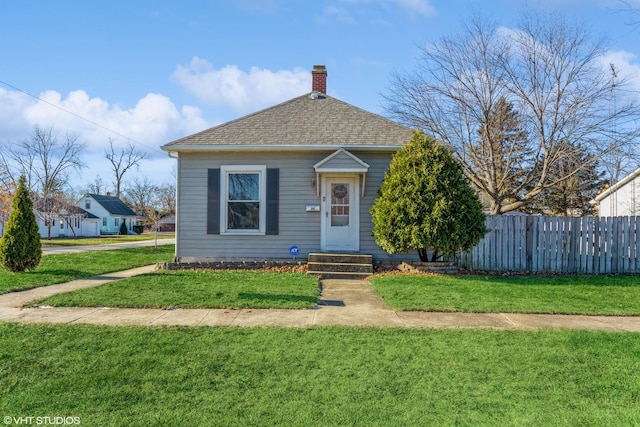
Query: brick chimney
319	79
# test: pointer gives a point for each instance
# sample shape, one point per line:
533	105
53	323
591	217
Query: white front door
340	213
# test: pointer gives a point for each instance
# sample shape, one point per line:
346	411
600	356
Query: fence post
529	243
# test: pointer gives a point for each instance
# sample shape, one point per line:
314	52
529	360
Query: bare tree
140	195
122	161
45	160
166	199
552	75
632	11
97	186
161	205
7	190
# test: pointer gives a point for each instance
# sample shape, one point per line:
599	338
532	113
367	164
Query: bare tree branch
45	160
551	72
122	162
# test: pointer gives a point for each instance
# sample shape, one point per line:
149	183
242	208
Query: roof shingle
308	120
113	205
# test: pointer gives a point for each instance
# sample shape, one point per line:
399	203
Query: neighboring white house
622	198
59	219
111	211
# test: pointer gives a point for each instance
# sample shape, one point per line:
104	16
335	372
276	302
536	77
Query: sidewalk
342	303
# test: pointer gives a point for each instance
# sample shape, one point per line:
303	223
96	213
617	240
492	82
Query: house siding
98	210
296	226
624	201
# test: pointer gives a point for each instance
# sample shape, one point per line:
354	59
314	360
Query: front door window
340	210
340	204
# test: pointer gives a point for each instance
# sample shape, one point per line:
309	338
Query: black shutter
273	196
213	201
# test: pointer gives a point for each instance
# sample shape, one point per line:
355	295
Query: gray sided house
303	173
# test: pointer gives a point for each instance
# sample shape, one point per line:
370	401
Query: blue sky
149	71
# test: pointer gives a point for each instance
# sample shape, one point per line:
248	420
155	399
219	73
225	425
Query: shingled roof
310	121
113	205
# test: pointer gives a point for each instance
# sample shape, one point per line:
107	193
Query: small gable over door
341	161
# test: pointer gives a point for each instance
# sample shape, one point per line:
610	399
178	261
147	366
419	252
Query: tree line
46	159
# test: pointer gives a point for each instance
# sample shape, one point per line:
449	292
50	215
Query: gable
341	161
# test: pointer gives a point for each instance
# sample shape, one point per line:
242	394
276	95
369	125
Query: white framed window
243	199
116	222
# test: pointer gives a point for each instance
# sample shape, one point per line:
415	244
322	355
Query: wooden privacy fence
557	244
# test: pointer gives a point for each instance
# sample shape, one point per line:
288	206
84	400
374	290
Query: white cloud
420	7
242	91
375	12
152	122
626	68
340	14
12	119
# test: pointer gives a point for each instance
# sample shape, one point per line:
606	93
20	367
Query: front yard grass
103	240
66	267
198	289
597	295
200	376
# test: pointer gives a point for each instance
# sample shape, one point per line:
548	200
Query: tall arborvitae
20	248
425	203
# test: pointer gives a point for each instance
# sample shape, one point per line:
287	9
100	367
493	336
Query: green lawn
198	289
136	376
605	295
103	240
66	267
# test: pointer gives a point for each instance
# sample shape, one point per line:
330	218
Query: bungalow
57	218
111	210
622	198
295	178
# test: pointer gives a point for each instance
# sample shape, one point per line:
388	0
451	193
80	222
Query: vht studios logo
41	421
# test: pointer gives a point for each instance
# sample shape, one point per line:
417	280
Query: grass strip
198	289
105	240
320	376
66	267
597	295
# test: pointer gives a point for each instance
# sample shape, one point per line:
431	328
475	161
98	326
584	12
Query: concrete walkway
342	303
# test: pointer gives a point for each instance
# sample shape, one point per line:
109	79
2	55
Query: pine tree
499	156
20	248
425	203
123	228
571	196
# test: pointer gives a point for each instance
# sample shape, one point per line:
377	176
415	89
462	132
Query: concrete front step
340	266
340	258
345	275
